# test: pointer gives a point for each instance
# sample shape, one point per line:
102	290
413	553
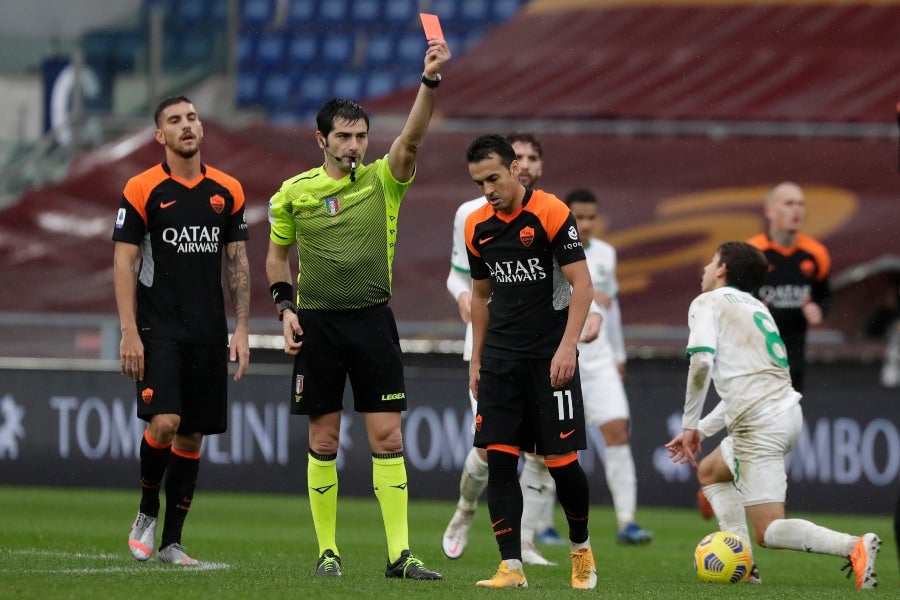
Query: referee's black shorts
190	380
361	344
518	407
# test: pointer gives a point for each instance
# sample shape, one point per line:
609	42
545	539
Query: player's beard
187	153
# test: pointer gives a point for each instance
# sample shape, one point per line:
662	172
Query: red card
432	26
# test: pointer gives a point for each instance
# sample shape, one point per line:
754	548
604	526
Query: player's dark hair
482	147
166	103
339	108
580	195
745	265
528	138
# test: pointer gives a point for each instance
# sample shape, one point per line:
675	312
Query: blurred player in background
176	221
734	342
602	367
538	488
342	217
526	259
796	288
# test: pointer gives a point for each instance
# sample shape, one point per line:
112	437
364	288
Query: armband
281	291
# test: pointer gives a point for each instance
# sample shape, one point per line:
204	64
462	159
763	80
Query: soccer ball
722	557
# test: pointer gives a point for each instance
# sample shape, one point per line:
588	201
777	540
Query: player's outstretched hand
436	57
684	447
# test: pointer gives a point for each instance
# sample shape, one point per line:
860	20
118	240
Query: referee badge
298	385
332	206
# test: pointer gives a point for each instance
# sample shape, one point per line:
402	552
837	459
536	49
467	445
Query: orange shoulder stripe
818	250
138	188
551	211
233	185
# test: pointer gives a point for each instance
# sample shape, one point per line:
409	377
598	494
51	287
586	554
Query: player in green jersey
343	218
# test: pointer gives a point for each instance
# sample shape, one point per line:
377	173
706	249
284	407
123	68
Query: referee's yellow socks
389	481
322	479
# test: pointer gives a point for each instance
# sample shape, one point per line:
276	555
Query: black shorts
190	380
517	406
360	344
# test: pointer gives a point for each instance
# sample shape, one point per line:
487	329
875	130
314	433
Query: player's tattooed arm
237	274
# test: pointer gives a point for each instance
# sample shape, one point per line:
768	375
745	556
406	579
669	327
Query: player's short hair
528	138
745	265
339	108
166	103
483	146
580	195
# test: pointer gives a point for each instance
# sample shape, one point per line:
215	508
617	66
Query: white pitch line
134	568
59	553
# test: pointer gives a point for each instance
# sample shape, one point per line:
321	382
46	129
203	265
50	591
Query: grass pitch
71	543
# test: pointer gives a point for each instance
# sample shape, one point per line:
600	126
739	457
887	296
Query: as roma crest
217	202
808	268
526	235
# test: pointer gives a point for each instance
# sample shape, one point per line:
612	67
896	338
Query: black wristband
281	291
432	83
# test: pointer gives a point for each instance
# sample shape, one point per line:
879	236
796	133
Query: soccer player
177	220
343	218
796	288
526	258
735	342
538	488
602	366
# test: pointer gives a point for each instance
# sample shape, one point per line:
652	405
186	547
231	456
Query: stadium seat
196	49
348	85
334	11
247	92
276	89
185	47
313	89
97	45
219	11
379	83
257	13
399	13
365	12
338	49
303	48
503	10
246	48
301	12
270	49
410	48
191	12
473	11
379	48
129	50
446	10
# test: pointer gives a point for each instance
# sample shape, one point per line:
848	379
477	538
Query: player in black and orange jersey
796	289
525	256
177	220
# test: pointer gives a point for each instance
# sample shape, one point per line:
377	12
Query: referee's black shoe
409	567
